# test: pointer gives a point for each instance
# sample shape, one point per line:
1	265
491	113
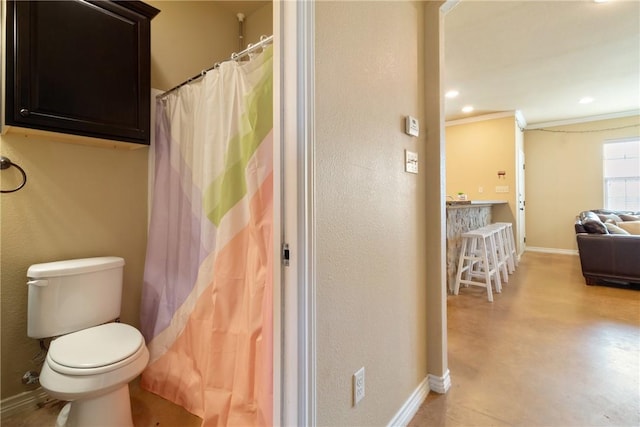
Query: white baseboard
411	406
23	402
552	250
440	384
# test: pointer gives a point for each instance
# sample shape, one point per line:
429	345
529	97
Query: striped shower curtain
206	304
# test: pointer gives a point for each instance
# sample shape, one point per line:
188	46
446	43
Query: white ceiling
541	57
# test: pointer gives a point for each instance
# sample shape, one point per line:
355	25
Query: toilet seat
96	350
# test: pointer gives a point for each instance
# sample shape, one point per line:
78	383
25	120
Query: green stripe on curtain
241	148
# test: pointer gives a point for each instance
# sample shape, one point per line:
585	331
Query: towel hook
5	163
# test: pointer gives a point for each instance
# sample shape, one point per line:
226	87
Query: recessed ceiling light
467	109
600	1
586	100
452	93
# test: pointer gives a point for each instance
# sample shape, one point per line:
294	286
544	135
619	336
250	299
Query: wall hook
5	163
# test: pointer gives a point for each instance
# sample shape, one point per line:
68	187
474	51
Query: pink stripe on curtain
220	367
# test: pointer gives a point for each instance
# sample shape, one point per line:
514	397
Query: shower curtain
206	304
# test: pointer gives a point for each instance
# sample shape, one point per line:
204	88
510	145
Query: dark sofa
607	254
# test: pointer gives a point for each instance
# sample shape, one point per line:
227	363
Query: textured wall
371	239
79	201
187	37
190	36
564	177
476	151
259	23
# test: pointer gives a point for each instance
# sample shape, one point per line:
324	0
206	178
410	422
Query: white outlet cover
358	386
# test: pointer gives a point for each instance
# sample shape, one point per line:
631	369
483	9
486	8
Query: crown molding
586	119
484	117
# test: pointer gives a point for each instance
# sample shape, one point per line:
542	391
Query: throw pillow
609	217
626	217
632	227
614	229
594	226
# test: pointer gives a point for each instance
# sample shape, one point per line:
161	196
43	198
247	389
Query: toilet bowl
90	366
93	368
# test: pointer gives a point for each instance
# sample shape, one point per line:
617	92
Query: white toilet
91	362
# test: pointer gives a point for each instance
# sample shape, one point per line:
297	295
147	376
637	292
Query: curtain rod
234	57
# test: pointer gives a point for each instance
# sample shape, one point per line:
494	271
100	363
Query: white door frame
521	232
294	285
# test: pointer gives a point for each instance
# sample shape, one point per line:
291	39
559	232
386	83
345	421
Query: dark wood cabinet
80	67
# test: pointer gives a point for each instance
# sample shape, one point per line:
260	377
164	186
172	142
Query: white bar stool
511	243
505	260
478	261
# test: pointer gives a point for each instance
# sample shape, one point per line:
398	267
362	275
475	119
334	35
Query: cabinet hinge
285	254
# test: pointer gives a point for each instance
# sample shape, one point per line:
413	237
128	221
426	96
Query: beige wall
79	201
259	23
371	239
86	201
564	177
190	36
476	151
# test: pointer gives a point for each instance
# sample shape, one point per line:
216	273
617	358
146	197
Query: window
622	175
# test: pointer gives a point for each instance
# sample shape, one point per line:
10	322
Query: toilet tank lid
73	266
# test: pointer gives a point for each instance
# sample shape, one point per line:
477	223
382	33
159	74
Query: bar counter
463	216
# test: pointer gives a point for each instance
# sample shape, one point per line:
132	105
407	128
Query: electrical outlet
358	386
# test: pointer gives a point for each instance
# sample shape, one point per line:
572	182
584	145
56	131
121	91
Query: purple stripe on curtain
168	284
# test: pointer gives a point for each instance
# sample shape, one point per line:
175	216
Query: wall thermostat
412	127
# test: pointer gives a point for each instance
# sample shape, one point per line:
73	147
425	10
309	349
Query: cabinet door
79	67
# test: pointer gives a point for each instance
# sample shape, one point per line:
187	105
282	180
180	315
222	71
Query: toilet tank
67	296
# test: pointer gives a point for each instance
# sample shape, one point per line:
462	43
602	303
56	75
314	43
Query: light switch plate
410	161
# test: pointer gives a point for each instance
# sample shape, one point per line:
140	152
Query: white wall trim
481	118
448	6
587	119
552	250
440	384
411	406
23	403
522	122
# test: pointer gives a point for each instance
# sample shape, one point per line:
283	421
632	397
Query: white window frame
606	180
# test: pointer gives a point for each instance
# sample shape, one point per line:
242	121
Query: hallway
549	351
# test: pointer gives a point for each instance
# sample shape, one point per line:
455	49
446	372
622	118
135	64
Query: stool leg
463	253
513	244
494	261
508	251
471	255
501	254
487	274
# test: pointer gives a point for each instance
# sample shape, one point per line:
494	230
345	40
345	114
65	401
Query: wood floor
148	410
549	351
